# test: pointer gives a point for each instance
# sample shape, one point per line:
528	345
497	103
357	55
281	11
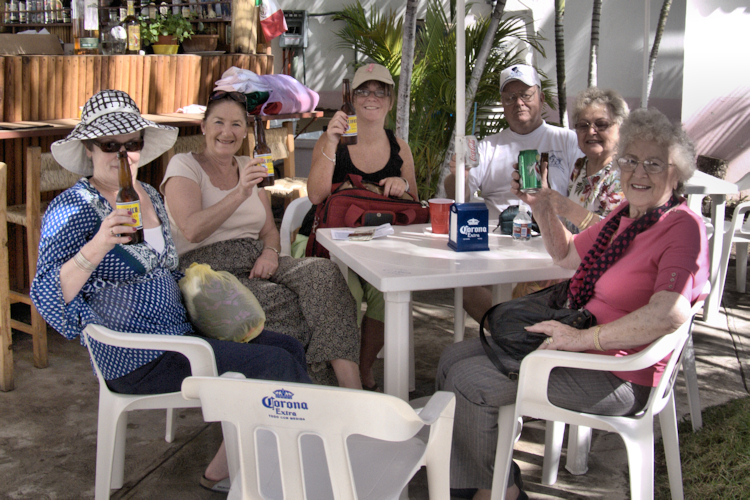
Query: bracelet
586	221
272	248
407	184
329	158
83	263
597	345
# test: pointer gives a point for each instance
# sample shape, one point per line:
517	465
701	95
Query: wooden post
244	27
6	340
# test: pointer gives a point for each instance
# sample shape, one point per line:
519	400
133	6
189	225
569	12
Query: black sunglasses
217	95
114	147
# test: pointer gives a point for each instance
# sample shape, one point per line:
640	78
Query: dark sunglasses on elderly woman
217	95
114	147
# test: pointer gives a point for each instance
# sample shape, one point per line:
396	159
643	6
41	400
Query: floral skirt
307	299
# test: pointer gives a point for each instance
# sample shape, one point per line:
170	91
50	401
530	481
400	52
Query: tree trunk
594	51
476	75
407	65
562	97
655	48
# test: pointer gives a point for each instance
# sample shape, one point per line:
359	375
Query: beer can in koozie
529	171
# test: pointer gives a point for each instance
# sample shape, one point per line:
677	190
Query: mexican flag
271	19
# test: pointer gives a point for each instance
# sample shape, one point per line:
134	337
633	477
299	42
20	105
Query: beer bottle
133	29
350	136
263	151
85	25
128	199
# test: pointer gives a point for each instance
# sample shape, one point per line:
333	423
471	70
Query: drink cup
471	153
440	210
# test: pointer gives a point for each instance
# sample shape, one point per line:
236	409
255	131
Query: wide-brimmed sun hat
372	71
107	113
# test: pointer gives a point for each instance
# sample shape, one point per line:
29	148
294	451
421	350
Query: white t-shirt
498	153
245	222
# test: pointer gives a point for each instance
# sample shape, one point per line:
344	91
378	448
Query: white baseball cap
522	73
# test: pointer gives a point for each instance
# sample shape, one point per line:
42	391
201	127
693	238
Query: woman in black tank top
380	157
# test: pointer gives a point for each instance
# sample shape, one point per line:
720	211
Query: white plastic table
413	259
702	184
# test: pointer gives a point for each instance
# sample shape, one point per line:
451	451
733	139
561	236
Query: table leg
502	292
396	372
459	315
412	366
713	301
289	165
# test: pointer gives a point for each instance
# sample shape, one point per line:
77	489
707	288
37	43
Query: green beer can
530	171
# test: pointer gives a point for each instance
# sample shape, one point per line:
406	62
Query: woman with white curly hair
653	242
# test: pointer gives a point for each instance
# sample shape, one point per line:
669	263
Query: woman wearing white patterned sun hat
87	272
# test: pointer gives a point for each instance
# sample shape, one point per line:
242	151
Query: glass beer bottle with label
349	137
133	29
263	152
85	26
128	199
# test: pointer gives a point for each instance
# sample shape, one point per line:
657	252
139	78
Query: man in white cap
523	100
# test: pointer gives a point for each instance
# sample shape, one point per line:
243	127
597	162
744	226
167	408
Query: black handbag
506	322
505	221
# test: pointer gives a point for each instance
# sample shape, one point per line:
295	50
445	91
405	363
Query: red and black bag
354	203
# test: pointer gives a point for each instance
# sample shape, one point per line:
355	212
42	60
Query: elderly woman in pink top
653	242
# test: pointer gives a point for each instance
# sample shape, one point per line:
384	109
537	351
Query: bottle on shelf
13	8
103	15
128	199
59	16
49	11
133	29
65	11
22	12
263	152
30	12
85	28
349	137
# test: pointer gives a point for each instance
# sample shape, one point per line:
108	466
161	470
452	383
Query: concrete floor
48	431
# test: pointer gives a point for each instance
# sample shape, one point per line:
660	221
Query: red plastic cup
440	211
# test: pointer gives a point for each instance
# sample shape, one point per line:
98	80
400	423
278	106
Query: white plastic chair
738	233
636	431
114	407
298	441
292	220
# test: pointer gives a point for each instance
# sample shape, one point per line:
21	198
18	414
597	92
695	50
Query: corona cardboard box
468	231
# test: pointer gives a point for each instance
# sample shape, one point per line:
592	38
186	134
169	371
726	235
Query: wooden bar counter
51	88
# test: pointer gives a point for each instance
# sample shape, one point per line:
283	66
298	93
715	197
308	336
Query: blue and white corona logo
283	394
283	405
469	230
472	222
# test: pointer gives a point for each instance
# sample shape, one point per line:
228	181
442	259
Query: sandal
221	486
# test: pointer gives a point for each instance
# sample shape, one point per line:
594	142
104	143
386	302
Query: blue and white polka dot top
133	289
